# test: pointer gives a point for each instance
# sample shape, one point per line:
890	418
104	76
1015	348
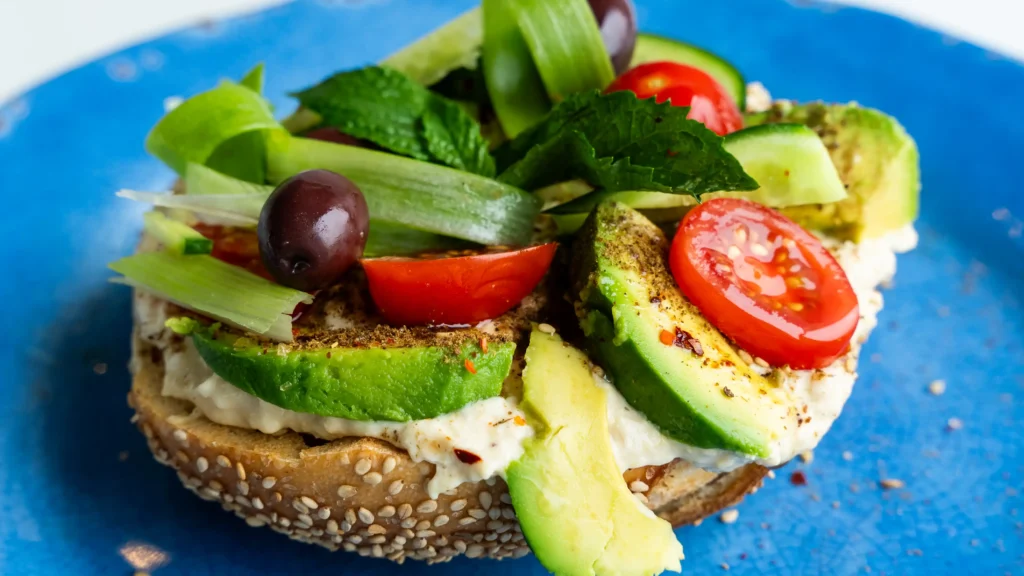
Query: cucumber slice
454	45
653	48
789	161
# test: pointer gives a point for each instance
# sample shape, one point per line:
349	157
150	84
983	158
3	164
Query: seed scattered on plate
954	424
729	516
892	483
937	387
807	456
847	455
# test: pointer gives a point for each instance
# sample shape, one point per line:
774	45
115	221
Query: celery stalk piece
239	209
454	45
416	194
566	45
193	131
177	237
390	239
201	180
215	289
517	92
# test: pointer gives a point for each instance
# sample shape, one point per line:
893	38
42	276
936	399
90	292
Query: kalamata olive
328	134
312	229
617	21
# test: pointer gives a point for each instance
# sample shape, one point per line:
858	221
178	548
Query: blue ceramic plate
80	494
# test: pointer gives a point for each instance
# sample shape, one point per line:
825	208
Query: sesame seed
491	481
404	511
364	551
494	513
745	356
477	513
363	466
892	483
181	436
377	551
243	487
459	546
254	522
269	482
344	491
954	423
216	485
441	520
229	498
408	523
847	455
505	498
348	547
638	486
306	518
365	516
408	533
427	506
376	529
505	537
284	521
505	527
278	497
485	500
202	465
419	544
298	505
425	533
466	521
729	516
508	513
182	457
423	524
458	504
310	503
350	516
373	478
937	387
761	362
332	526
355	539
400	540
474	551
223	461
257	503
546	328
389	465
807	456
396	487
494	524
386	512
323	513
641	498
850	364
344	526
240	470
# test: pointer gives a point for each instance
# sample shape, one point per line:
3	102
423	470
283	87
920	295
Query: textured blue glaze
68	505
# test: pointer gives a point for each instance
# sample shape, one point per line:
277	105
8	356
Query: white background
42	38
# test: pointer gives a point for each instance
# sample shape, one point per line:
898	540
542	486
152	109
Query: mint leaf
617	142
389	109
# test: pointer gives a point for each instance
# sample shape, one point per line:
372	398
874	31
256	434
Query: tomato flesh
456	290
685	86
765	282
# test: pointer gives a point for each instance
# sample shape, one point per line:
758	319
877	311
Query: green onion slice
454	45
416	194
177	237
203	181
517	92
229	209
216	289
193	131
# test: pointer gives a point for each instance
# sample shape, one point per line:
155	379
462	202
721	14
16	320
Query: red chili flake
686	341
519	420
469	366
666	338
483	344
671	153
466	457
798	479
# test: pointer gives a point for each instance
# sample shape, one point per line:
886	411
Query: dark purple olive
312	229
617	21
328	134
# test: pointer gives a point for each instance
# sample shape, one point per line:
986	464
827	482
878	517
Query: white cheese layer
489	428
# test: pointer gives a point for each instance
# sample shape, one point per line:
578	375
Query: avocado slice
575	509
345	362
696	389
876	159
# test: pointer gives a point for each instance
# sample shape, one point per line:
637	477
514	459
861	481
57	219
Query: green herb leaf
253	79
391	110
617	142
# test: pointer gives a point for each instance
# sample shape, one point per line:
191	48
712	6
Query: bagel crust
364	495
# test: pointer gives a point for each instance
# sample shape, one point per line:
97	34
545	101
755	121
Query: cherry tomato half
765	282
685	86
238	246
455	290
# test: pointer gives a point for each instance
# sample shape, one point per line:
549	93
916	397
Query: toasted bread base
364	495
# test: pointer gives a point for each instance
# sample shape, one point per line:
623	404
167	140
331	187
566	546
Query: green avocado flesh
876	159
346	362
626	298
575	509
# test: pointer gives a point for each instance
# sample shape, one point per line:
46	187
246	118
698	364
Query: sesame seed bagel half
364	495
